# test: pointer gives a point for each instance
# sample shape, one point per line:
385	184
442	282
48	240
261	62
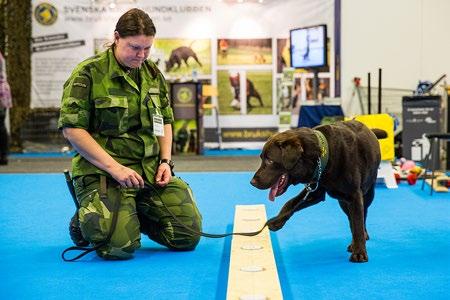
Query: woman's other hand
163	175
127	177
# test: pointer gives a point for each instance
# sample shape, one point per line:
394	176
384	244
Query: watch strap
167	161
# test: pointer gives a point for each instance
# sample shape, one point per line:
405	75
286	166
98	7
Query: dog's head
287	158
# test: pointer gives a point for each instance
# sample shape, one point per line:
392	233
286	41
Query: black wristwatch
167	161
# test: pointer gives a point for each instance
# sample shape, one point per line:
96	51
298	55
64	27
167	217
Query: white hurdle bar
253	272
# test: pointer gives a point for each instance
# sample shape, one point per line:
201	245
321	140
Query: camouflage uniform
108	102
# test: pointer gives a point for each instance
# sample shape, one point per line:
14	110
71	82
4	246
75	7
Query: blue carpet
42	155
232	152
409	249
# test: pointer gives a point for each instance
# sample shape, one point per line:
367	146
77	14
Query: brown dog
180	54
340	159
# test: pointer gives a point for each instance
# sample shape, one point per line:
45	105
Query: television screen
309	46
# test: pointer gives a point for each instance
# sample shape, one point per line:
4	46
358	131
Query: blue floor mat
42	155
232	152
409	249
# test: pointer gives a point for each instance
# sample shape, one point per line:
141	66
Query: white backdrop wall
408	39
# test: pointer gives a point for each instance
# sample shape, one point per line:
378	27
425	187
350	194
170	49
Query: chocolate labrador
341	160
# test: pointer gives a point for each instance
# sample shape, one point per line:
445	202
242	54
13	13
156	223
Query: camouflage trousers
139	211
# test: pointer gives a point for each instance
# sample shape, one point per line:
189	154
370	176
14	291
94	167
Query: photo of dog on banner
235	84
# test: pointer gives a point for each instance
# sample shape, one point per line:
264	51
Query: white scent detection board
253	272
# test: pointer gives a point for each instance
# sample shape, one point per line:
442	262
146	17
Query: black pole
337	48
316	84
379	90
368	94
198	117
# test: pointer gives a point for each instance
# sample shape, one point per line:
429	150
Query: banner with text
240	48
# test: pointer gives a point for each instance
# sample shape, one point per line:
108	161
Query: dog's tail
192	43
379	133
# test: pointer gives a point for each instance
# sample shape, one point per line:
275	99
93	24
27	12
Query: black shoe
75	232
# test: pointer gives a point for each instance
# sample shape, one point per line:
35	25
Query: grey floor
182	164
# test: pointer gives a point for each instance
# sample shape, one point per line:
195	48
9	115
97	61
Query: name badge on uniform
158	125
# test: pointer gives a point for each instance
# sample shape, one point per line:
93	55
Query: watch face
167	161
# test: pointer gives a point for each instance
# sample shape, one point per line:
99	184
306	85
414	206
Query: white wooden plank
251	254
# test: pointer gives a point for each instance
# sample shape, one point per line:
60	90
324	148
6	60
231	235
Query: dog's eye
269	161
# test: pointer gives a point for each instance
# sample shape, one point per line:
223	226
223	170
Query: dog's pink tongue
273	191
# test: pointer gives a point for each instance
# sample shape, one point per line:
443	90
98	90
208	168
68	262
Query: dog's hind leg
196	59
356	213
345	208
368	198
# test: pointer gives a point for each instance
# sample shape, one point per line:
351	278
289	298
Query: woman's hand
127	177
163	175
85	144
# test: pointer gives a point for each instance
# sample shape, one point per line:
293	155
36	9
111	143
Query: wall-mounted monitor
309	47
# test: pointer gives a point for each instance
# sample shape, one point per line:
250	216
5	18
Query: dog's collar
323	159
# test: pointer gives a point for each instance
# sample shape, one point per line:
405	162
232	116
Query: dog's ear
291	151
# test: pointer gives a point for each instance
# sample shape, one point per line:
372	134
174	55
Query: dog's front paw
275	223
359	256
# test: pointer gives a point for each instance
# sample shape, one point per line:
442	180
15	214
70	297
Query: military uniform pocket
112	115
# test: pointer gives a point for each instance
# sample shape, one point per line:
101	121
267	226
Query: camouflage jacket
102	98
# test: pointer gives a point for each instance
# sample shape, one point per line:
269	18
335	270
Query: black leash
197	232
308	188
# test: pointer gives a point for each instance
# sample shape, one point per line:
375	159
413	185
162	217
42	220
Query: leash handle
77	248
